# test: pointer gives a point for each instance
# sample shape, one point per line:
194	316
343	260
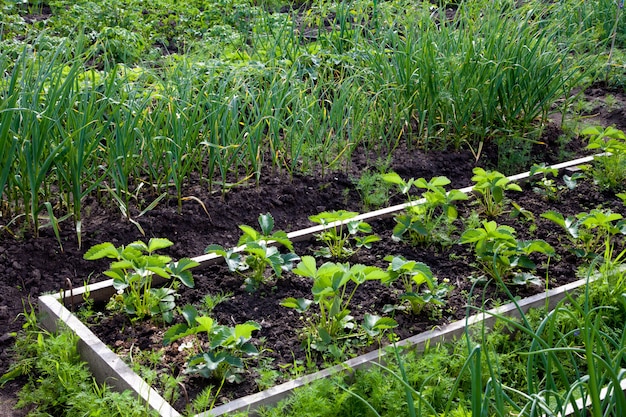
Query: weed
611	102
267	377
210	301
203	401
373	189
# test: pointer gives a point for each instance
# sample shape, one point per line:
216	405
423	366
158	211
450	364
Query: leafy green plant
266	233
501	254
345	237
490	187
413	275
548	187
519	212
58	382
589	232
259	255
609	170
332	298
428	220
375	326
373	189
403	186
210	301
223	356
133	270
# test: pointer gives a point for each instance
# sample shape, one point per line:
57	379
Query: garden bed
108	367
281	328
185	120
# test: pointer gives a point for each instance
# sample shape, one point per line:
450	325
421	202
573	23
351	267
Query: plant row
373	76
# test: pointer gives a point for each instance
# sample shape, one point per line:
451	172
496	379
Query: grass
545	363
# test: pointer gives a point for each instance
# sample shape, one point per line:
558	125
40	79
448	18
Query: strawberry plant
346	238
502	255
414	276
590	232
548	187
609	169
403	186
375	326
489	188
224	353
133	270
332	298
266	233
260	261
430	219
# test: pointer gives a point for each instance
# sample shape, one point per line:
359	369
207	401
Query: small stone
4	312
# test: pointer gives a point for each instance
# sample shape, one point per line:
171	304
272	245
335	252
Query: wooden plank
106	366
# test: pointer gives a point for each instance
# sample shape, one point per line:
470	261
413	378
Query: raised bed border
109	368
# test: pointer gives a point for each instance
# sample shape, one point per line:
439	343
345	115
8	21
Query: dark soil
30	267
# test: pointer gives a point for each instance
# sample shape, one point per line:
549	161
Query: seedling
501	255
224	355
332	297
430	220
610	169
404	186
266	223
260	262
519	212
490	187
590	232
346	238
414	275
133	270
548	187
